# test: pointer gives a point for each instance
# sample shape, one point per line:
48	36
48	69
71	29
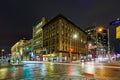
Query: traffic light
71	49
27	48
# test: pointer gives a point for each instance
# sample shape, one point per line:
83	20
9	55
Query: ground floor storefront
61	57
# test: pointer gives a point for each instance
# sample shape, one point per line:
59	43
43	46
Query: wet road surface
55	71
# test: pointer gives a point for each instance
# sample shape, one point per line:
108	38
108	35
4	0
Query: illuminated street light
3	50
71	49
75	36
100	30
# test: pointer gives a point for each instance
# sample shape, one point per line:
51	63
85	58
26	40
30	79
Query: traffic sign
115	22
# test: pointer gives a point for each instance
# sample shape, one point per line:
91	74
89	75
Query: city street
60	71
60	40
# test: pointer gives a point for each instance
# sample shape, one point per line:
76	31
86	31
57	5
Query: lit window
62	32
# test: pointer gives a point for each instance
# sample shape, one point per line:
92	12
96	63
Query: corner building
17	49
58	40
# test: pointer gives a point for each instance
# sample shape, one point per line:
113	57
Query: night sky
17	17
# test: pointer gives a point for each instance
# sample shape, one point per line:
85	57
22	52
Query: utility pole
108	32
70	50
96	42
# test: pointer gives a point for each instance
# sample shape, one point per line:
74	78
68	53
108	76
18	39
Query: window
62	32
53	41
62	24
57	40
62	40
53	27
57	33
68	28
46	31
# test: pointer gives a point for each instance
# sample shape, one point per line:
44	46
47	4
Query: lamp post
100	30
74	36
108	32
3	50
70	50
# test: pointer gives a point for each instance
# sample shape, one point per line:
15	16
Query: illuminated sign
115	22
118	32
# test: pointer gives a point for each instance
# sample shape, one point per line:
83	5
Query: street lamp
3	50
71	49
100	30
108	31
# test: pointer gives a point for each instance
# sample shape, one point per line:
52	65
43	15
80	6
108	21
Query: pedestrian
9	60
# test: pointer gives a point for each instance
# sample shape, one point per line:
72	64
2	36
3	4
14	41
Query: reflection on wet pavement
49	71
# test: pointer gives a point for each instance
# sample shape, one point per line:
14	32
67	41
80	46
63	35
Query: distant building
17	49
91	41
27	49
37	36
97	41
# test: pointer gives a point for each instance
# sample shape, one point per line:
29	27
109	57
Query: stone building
60	42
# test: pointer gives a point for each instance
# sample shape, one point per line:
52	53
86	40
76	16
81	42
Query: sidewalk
73	62
11	64
115	63
4	64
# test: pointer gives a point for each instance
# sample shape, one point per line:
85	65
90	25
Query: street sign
115	22
118	32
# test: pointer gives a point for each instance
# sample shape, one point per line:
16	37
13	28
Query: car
83	60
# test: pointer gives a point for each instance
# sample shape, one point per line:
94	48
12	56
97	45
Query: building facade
37	43
97	41
59	41
27	50
17	49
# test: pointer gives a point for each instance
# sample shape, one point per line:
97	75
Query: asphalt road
60	71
